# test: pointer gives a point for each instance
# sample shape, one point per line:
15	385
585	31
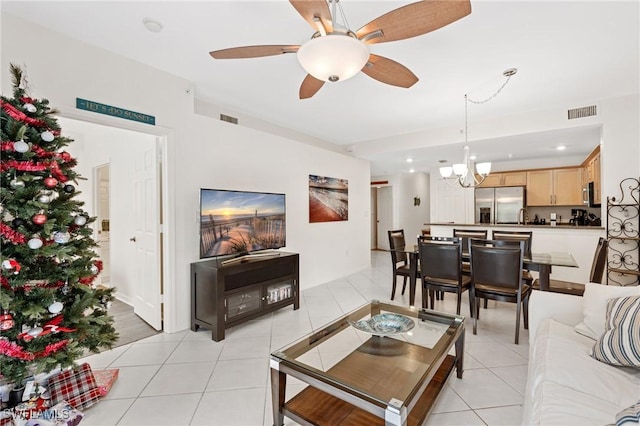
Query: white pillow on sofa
594	306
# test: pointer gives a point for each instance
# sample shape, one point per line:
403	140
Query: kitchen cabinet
592	174
505	179
554	187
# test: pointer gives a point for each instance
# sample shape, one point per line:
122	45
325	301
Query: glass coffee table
390	375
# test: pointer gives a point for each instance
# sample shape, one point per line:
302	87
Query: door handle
132	239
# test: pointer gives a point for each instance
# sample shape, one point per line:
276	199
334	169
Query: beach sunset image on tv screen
240	222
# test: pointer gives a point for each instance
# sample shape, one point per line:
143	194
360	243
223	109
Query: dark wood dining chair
597	272
527	237
441	269
465	235
399	260
496	273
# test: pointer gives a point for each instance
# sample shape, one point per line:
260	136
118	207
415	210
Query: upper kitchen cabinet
505	179
592	173
555	187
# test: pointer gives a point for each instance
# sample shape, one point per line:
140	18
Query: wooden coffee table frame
329	401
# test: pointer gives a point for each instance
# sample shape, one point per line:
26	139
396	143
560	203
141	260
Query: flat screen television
240	222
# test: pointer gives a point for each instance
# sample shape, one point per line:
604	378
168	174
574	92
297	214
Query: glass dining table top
373	367
538	258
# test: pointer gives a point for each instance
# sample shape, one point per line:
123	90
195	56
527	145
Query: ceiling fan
335	53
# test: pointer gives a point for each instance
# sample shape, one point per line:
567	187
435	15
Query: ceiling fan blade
253	51
310	86
413	20
310	9
389	72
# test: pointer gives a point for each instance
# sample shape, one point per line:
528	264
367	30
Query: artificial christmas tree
50	310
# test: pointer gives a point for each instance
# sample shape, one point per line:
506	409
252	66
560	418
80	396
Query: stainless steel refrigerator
499	205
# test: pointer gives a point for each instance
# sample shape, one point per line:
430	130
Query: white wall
407	216
413	217
203	152
620	149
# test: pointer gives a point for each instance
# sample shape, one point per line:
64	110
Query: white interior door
102	230
385	216
146	238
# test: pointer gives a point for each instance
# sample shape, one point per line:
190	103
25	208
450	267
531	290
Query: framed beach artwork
328	199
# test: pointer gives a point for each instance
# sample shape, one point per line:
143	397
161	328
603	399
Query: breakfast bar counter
513	226
579	241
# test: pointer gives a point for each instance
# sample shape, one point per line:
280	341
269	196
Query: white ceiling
568	54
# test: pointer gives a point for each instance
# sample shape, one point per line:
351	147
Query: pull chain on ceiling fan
335	53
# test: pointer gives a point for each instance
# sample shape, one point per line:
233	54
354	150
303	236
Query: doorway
382	216
125	197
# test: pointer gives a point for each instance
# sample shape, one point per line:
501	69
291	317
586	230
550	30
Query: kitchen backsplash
564	212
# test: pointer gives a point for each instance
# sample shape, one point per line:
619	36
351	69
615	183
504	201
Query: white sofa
565	385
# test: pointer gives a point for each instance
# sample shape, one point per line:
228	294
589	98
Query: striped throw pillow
620	344
629	416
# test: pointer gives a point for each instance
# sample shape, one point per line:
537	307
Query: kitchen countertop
513	225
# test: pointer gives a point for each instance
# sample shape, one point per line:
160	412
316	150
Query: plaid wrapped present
105	379
76	386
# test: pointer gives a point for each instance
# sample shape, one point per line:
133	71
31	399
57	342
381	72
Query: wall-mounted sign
115	111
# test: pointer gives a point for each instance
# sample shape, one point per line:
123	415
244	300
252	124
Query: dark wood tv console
227	293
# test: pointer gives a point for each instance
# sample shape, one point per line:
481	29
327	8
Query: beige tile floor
186	378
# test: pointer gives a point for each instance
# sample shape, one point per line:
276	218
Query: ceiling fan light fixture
335	57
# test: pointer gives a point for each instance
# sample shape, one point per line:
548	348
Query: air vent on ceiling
228	119
582	112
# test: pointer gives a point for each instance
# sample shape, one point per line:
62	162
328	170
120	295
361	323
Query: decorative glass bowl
384	324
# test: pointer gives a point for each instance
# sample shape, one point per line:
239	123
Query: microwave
590	196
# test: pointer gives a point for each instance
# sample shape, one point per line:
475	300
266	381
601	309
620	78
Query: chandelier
464	172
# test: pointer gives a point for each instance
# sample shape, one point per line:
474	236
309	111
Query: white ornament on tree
34	243
94	270
80	220
35	331
21	146
16	183
47	136
56	307
30	107
61	237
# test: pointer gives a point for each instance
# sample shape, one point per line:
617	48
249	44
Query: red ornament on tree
6	321
39	219
50	182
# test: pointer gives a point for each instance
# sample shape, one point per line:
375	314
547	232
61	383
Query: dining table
541	262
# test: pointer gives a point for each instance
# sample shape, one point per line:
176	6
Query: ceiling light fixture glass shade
461	170
334	57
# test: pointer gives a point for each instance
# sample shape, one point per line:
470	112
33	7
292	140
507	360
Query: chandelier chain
496	93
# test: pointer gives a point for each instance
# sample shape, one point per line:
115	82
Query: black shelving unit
623	234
